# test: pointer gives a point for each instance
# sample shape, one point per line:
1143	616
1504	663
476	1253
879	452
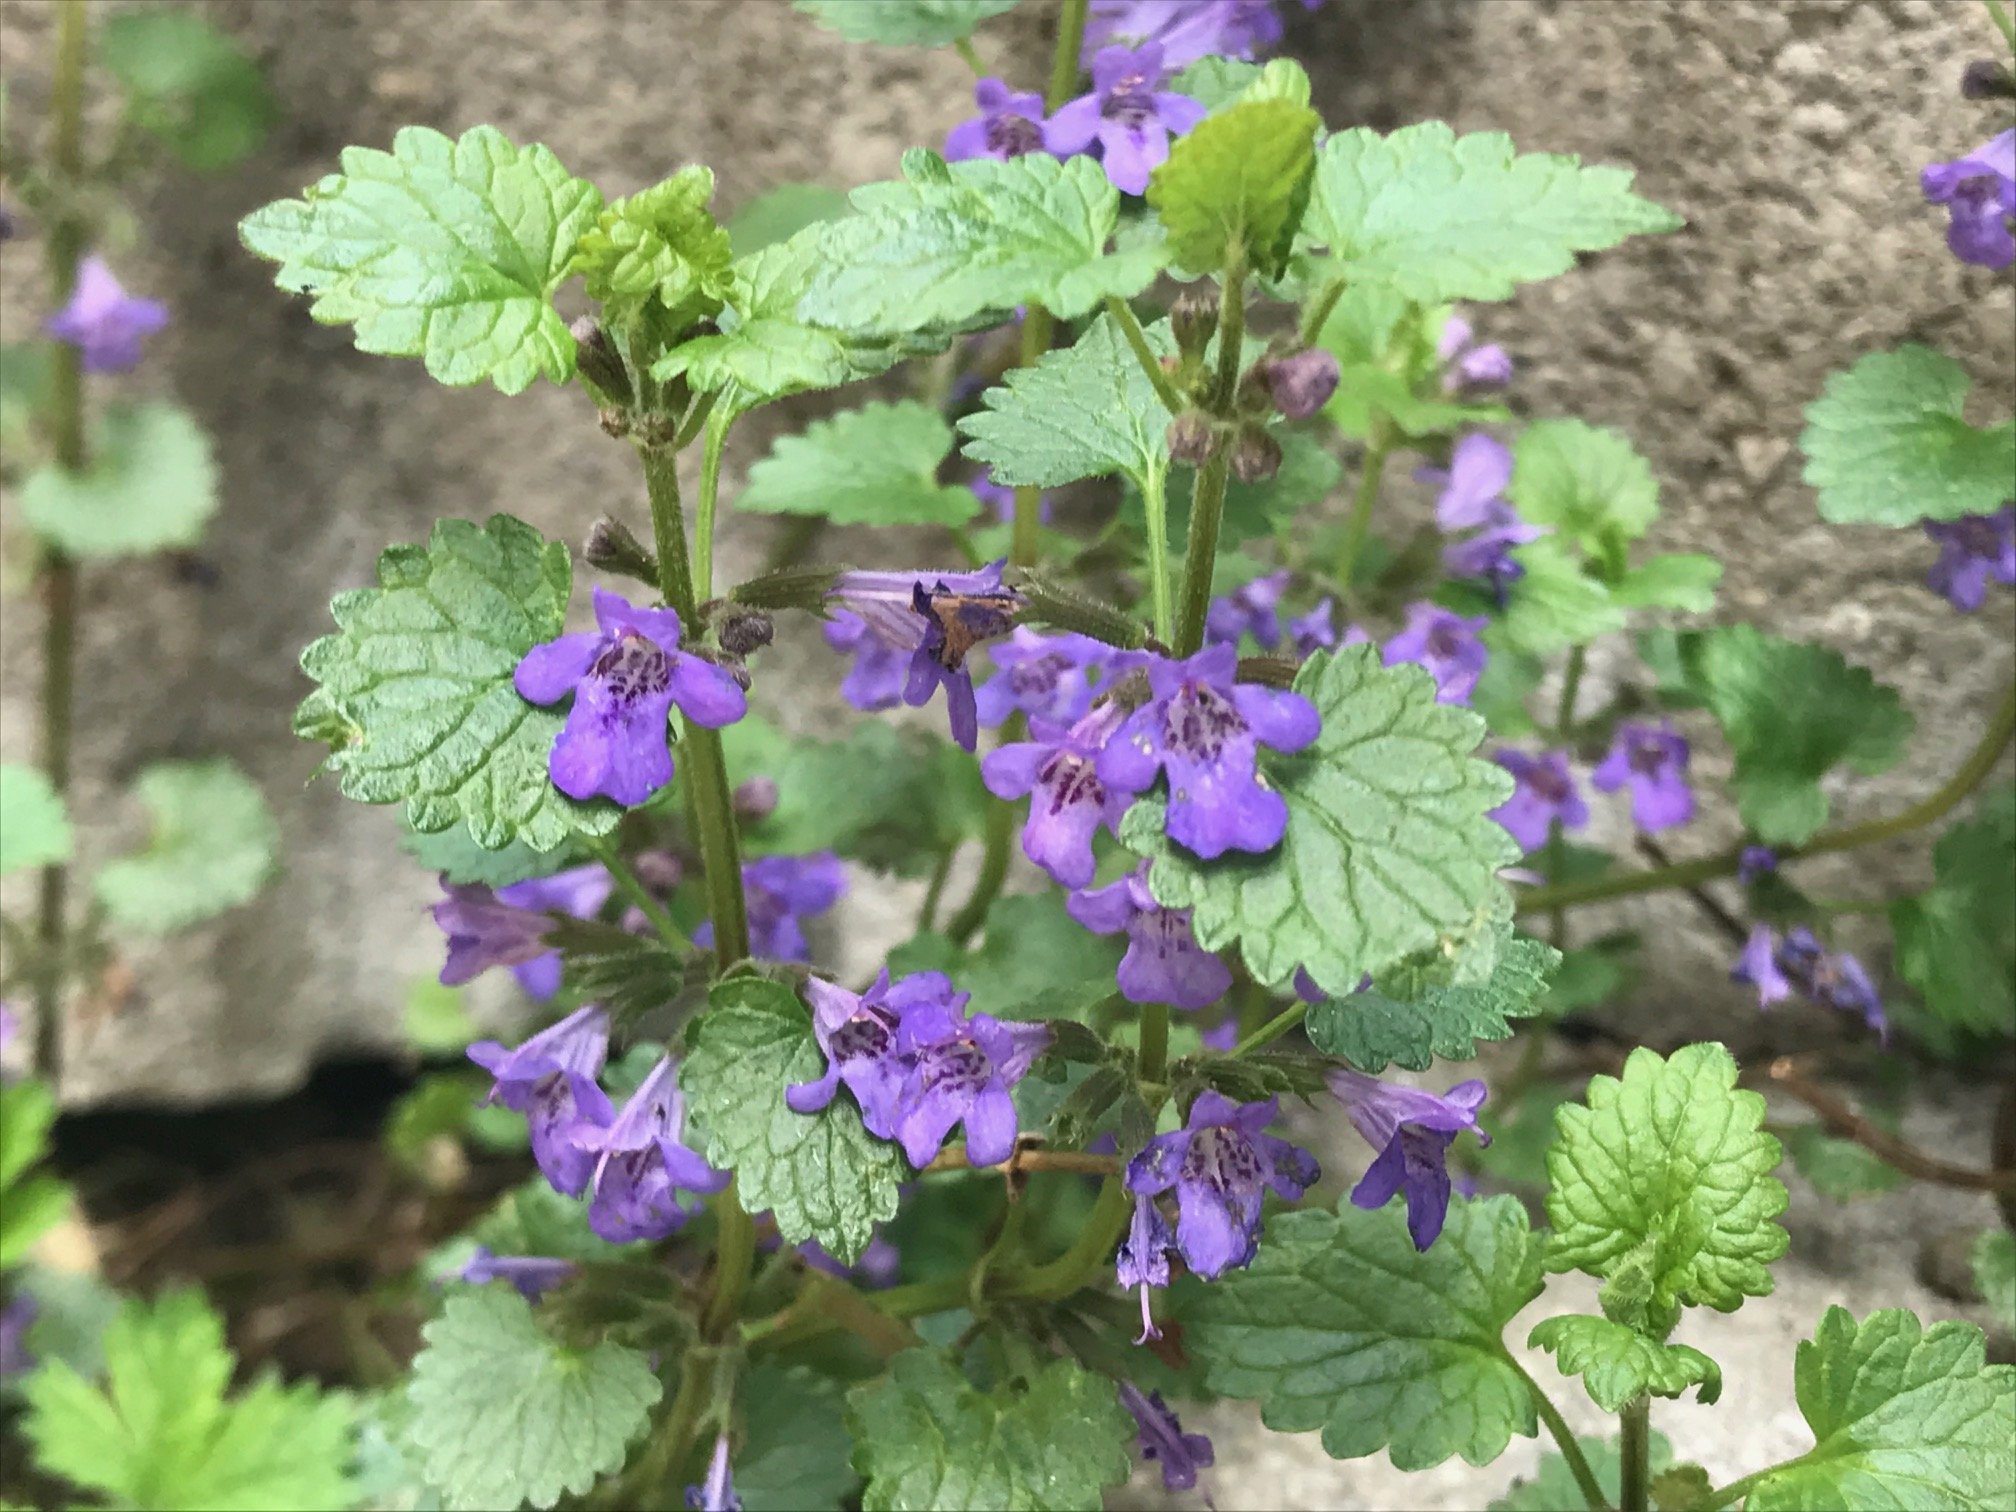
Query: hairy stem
1064	61
1155	506
1844	1121
993	872
1636	1453
970	56
1358	524
1155	1042
716	442
1207	500
1571	1451
1971	774
1273	1029
1151	365
934	891
1024	544
632	887
1736	1490
1061	1277
1999	14
953	1158
1316	314
734	1255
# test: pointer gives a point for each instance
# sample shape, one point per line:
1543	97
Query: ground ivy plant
964	1232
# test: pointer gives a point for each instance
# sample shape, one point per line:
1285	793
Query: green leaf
1954	942
1341	1324
1372	1031
876	465
1994	1261
1364	388
27	1111
1442	217
1086	411
33	1207
416	701
795	1447
1554	604
904	23
24	389
188	84
821	1175
1675	580
1617	1363
1237	186
1586	481
536	1220
951	243
1553	1487
1888	444
151	486
1791	713
449	251
1838	1168
779	214
505	1416
161	1434
661	243
925	1437
457	856
1216	82
1668	1173
1904	1416
1035	961
215	845
73	1311
1387	851
34	827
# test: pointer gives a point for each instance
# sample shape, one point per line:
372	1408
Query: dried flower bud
611	547
1190	437
755	799
1301	382
745	630
1256	456
1986	79
1193	318
600	367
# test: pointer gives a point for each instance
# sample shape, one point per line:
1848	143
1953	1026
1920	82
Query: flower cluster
1776	966
1472	499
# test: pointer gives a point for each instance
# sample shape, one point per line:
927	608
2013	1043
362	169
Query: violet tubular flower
1757	967
1450	646
1204	729
1164	963
961	1071
1000	500
857	1034
936	618
717	1492
1467	364
640	1164
1545	793
1973	549
1142	1260
625	677
1220	1163
1832	978
1472	498
1754	862
1412	1131
17	1315
546	1078
1163	1442
876	679
782	890
1128	114
579	892
103	321
1314	631
532	1275
1050	677
1252	610
1009	125
1068	803
1652	759
1979	193
1185	30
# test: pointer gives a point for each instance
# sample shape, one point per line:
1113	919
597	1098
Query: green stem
633	888
970	55
934	892
710	490
1571	1451
734	1255
1064	61
1024	545
659	1465
1571	684
1058	1279
1155	506
1557	845
993	872
1736	1490
1151	365
1358	524
1155	1042
1636	1453
1207	500
1272	1030
1317	314
1999	14
1972	772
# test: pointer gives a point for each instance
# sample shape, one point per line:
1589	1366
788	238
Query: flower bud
1190	437
1193	318
745	630
1301	382
1986	79
659	870
611	547
600	367
1256	456
755	800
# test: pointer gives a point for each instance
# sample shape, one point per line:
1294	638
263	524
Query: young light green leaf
1888	443
439	249
34	826
795	1447
1618	1363
1585	481
1554	604
1666	1175
1367	388
215	844
1086	411
1684	580
661	243
1994	1262
821	1175
1216	82
151	486
1236	186
876	465
949	243
416	702
1903	1415
1387	850
1339	1323
27	1109
31	1208
162	1434
1372	1030
779	214
1442	217
506	1416
1553	1487
188	84
1838	1168
904	23
925	1437
1953	942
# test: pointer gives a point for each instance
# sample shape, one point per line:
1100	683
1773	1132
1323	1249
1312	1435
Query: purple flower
1757	967
878	1266
641	1166
1653	759
625	678
15	1318
1467	365
1068	803
1000	498
1447	644
579	892
533	1275
103	321
1164	963
1973	549
1754	862
876	679
1316	630
717	1494
1472	498
1185	30
1181	1455
960	1071
1009	125
937	626
1048	677
1832	978
1128	114
1142	1259
1205	729
1412	1131
547	1079
857	1033
1219	1163
1253	610
781	890
1546	792
1979	191
1300	383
